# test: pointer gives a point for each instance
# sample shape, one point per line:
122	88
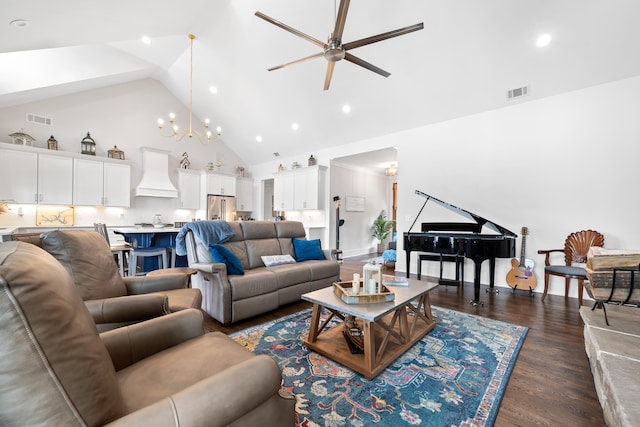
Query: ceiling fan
334	50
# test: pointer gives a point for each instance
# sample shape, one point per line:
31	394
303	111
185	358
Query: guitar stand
531	294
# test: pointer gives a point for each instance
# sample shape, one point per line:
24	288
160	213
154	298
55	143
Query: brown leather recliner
55	369
114	301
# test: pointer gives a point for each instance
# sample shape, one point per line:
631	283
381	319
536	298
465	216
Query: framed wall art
47	216
354	204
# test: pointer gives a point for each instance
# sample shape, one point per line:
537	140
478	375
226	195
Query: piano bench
458	259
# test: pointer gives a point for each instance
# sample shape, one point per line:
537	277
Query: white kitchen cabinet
29	177
305	189
220	184
299	189
33	175
88	181
100	183
283	191
55	180
18	176
117	185
189	184
244	194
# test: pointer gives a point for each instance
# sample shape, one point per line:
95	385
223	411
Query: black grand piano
461	238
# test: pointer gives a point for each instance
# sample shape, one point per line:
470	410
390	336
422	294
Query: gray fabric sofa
230	298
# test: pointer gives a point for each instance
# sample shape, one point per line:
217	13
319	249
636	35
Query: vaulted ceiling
468	56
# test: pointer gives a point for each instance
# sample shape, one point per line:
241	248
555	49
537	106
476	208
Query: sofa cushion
221	254
253	230
96	276
307	250
291	274
254	282
259	247
323	269
54	368
286	230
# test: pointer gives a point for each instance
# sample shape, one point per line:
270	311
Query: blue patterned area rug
455	376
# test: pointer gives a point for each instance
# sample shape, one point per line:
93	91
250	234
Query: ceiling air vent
517	93
41	120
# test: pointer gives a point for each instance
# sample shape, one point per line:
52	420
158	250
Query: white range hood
155	180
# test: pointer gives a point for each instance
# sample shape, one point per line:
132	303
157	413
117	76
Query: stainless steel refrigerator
221	207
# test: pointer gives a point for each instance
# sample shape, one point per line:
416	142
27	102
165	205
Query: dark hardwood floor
551	384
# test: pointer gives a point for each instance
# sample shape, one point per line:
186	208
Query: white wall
124	115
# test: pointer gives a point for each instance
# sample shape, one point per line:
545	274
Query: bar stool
160	253
172	256
120	251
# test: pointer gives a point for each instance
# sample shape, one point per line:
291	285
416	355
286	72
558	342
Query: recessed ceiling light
20	23
146	40
543	40
294	126
346	109
213	89
259	138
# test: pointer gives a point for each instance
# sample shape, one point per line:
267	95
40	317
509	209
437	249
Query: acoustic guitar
521	274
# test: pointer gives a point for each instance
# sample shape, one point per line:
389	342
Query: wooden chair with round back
575	251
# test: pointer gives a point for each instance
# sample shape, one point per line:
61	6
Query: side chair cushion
54	368
88	260
566	270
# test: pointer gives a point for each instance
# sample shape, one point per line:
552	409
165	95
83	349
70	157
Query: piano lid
466	214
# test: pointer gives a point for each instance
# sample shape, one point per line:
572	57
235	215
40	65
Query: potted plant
381	228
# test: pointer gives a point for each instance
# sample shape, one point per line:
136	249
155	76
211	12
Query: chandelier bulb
160	123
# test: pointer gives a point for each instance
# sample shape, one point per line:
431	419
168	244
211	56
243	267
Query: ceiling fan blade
291	30
327	77
297	61
341	19
383	36
354	59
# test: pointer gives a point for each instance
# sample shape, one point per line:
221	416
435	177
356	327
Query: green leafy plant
382	226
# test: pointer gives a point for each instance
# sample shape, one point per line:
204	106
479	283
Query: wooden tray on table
345	293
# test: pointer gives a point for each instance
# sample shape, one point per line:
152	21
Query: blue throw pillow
307	249
221	254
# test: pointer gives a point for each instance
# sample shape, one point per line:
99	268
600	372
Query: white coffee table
389	328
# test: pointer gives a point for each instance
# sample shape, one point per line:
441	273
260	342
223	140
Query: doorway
362	177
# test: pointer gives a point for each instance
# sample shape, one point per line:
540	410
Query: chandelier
392	170
205	136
